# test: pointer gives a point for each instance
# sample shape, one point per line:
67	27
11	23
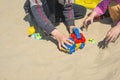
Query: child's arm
102	7
43	21
89	19
40	17
68	13
99	10
61	38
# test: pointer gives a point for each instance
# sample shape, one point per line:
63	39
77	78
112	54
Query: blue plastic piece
82	45
77	33
76	36
71	48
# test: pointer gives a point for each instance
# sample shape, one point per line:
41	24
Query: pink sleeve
98	11
102	7
118	23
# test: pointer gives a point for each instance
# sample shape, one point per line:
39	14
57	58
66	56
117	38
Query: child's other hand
71	29
61	38
89	19
113	33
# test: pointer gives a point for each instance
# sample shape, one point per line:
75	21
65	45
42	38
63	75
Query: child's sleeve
68	12
118	23
40	17
102	7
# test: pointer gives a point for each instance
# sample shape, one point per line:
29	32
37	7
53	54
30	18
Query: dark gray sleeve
68	12
40	17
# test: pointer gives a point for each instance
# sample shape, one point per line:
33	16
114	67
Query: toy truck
79	42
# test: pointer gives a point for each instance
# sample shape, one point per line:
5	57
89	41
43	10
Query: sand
25	58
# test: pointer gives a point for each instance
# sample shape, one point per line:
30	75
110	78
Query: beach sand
25	58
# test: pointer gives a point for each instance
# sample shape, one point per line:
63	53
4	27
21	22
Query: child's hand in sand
61	38
113	33
89	19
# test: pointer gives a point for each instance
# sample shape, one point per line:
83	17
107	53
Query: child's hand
61	38
113	34
71	29
89	19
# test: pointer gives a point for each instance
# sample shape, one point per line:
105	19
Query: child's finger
107	36
71	31
91	21
70	41
85	23
59	45
63	45
114	38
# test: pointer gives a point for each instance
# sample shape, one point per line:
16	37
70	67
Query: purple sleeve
102	7
118	23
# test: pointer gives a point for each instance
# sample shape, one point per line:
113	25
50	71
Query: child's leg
51	8
79	11
114	10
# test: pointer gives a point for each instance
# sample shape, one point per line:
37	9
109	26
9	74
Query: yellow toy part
65	50
91	4
31	30
77	46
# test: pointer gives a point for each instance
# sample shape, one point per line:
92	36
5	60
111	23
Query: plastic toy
88	3
92	40
31	30
79	41
69	49
36	36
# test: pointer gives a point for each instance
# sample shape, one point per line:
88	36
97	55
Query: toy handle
77	33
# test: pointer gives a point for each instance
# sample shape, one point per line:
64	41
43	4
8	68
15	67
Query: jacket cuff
49	28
